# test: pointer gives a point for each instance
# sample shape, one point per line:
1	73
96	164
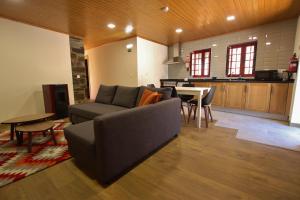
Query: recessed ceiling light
111	25
214	45
230	18
252	38
178	30
268	43
128	29
165	9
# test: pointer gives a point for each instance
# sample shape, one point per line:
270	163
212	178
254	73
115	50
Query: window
200	63
241	59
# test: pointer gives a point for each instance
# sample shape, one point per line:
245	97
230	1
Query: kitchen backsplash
276	56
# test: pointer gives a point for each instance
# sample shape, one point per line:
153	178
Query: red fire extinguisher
293	66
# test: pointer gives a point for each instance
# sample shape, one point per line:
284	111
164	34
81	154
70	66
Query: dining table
199	93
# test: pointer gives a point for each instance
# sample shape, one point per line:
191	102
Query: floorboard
199	164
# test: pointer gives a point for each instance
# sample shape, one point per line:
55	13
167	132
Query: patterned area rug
16	163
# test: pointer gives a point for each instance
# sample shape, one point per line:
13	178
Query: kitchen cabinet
235	95
273	98
202	84
289	99
258	97
219	96
278	101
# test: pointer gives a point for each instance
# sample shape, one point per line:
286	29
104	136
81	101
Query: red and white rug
16	163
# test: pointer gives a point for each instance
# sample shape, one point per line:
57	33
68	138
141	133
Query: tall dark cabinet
56	99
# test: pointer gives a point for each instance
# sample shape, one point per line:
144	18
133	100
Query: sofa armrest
125	138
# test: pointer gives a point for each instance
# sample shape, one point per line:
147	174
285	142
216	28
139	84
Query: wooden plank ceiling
198	18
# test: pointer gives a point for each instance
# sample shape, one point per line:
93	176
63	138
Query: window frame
243	47
202	51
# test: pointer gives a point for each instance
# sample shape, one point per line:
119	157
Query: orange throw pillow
149	97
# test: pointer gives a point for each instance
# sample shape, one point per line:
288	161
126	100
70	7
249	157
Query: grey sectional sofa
111	135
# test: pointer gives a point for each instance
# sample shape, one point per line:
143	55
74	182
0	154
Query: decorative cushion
106	94
149	97
126	96
165	93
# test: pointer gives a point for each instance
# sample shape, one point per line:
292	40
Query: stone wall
78	70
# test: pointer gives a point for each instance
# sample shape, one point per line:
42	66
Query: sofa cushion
126	96
106	94
91	110
81	141
166	93
149	97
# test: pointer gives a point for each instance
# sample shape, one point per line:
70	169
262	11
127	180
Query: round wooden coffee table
33	128
25	119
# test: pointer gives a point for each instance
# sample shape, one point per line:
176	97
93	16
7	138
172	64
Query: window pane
206	66
233	58
206	54
248	57
207	60
251	64
248	49
239	50
200	63
247	64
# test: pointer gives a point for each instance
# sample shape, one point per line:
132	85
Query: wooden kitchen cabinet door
201	84
279	93
235	95
289	99
219	97
258	97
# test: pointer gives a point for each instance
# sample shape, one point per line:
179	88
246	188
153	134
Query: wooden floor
199	164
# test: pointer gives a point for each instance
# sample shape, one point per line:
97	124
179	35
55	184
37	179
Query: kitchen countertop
236	80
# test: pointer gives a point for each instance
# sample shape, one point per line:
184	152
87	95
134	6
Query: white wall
276	56
112	64
30	57
151	58
295	109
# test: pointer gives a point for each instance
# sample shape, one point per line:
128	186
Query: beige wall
112	64
151	58
295	108
276	56
30	57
